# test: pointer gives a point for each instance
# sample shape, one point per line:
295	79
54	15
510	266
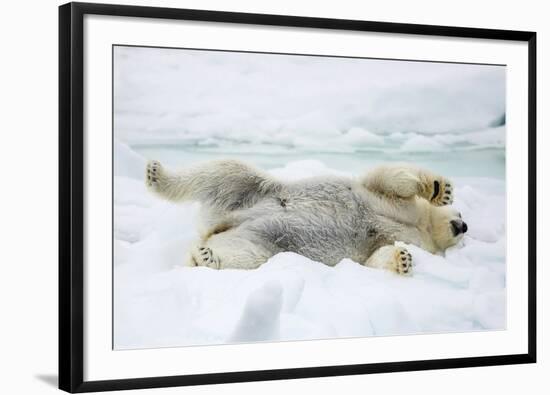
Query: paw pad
205	257
403	262
443	193
152	173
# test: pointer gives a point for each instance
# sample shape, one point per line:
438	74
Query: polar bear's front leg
406	181
436	189
393	258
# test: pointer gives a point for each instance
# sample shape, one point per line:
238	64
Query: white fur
248	216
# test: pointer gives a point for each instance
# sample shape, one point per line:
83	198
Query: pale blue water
480	162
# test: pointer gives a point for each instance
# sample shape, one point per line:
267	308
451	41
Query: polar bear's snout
458	227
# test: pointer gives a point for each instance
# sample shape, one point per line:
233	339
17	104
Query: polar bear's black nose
458	226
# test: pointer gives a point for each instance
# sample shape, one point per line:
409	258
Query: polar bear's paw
402	262
204	256
441	192
393	258
153	174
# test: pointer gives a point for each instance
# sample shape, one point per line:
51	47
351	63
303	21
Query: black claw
205	259
402	252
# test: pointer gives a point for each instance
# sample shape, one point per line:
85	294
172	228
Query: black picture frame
71	195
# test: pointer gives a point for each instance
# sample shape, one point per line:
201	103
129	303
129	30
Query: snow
273	102
126	162
298	117
160	303
421	143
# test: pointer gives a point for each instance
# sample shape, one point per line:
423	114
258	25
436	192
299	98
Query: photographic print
264	197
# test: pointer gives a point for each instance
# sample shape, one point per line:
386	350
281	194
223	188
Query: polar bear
248	216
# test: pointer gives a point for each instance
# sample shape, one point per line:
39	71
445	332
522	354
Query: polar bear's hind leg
229	250
203	256
222	184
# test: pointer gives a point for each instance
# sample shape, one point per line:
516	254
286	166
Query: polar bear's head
447	227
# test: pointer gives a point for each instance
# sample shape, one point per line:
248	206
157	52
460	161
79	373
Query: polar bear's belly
325	230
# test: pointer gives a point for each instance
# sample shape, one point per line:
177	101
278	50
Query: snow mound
421	143
305	168
341	101
127	163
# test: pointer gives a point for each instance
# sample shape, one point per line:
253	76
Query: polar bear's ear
399	180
